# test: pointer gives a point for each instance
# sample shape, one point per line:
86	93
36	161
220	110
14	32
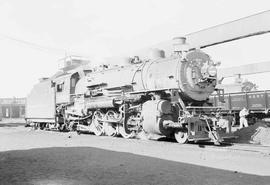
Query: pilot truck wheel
181	136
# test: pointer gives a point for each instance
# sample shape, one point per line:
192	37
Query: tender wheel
98	125
111	128
42	126
181	136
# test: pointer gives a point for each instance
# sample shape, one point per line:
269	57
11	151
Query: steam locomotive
165	96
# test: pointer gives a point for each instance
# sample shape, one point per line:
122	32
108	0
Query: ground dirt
30	156
87	165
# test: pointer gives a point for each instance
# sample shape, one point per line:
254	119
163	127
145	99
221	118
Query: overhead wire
40	47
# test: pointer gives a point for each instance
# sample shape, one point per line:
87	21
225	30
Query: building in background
12	107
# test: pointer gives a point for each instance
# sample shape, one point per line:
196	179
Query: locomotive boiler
165	96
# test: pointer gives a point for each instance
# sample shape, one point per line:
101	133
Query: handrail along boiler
163	95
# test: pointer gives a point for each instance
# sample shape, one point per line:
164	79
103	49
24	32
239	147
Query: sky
103	28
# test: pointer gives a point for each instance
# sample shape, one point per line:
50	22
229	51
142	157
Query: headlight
212	71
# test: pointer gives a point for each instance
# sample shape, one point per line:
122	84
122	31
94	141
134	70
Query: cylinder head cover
164	107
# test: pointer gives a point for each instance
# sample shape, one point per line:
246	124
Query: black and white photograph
135	92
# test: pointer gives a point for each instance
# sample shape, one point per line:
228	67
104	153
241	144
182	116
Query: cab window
73	82
60	87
